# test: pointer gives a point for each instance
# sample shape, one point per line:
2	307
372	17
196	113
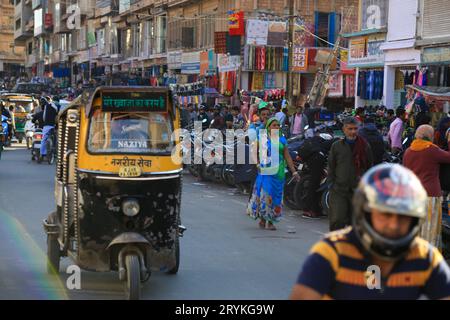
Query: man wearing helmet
381	256
203	117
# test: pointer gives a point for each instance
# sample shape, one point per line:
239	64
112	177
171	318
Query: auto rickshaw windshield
148	133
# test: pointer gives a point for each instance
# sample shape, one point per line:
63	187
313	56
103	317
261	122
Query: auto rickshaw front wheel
133	281
53	254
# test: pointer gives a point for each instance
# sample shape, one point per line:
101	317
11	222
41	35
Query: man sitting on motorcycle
48	118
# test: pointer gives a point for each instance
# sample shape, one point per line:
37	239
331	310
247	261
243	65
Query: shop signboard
436	55
174	60
335	85
190	62
300	59
366	51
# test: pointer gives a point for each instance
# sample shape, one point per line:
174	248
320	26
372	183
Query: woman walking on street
266	200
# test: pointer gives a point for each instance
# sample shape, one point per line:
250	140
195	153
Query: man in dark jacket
349	159
48	117
370	133
313	153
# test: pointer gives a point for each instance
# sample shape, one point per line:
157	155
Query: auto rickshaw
23	105
117	188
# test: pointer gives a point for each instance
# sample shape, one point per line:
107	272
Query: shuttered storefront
436	21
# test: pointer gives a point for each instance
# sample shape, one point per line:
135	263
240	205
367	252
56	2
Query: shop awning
212	92
440	93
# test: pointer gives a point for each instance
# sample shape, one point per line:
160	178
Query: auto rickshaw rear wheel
174	270
53	254
133	282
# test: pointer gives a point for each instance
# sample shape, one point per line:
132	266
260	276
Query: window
207	32
114	40
111	132
30	48
18	23
63	42
161	34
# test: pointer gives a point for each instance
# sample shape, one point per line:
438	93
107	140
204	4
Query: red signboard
48	20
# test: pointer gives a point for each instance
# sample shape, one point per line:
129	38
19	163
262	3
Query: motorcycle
295	193
36	144
6	126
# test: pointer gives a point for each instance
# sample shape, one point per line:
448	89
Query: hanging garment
220	42
285	59
263	58
370	86
399	80
416	76
234	45
407	78
361	84
425	78
246	57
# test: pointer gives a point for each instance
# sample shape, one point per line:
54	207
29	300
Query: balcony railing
6	28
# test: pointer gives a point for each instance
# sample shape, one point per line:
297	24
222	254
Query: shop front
402	68
366	56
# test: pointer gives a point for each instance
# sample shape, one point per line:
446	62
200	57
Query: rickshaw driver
130	133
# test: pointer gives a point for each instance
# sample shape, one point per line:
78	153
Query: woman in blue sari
267	196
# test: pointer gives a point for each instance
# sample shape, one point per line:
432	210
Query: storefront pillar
389	87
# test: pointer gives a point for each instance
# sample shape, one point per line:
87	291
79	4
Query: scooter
36	144
29	131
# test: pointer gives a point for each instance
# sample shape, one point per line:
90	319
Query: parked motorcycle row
242	175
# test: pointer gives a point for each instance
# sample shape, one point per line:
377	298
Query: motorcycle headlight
130	207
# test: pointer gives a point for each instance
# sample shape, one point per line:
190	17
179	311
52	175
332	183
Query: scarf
360	156
419	144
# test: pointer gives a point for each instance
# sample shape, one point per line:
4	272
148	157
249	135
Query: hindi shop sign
134	102
300	59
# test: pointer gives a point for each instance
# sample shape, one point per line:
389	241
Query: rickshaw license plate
129	171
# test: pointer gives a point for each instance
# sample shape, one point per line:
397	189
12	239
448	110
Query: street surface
224	254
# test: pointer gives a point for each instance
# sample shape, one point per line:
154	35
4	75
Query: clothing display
349	86
266	58
399	80
370	84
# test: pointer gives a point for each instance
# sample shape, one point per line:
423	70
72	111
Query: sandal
270	226
262	224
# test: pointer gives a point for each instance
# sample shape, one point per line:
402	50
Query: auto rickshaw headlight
130	207
73	117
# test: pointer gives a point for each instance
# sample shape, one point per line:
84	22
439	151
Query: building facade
11	57
158	42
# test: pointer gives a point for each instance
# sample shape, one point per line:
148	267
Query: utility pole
290	82
320	87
